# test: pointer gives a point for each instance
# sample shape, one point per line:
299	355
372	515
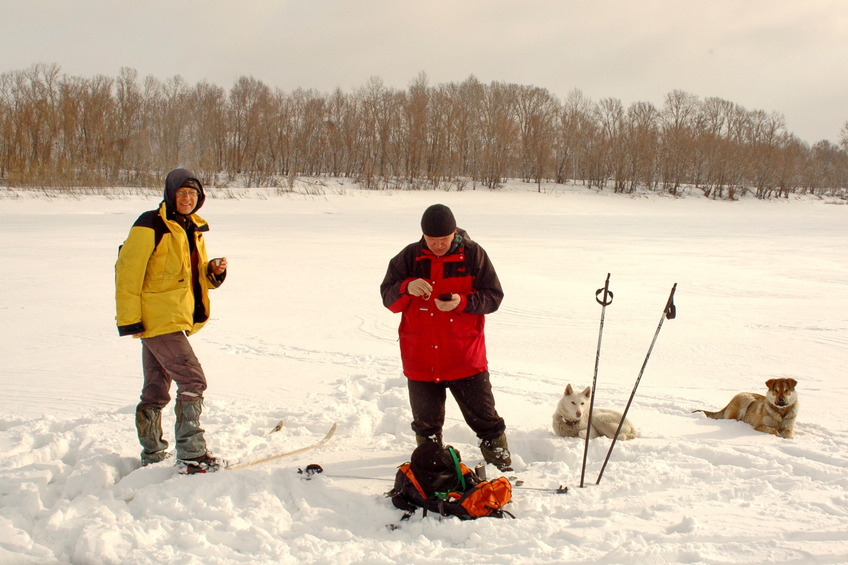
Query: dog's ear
770	383
792	383
588	392
568	389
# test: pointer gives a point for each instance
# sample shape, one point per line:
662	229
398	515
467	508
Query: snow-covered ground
299	334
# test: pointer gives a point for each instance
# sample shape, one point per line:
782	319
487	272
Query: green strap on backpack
461	478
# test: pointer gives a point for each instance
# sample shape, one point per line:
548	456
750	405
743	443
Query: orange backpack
487	497
469	498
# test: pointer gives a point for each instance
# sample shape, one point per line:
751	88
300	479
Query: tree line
67	131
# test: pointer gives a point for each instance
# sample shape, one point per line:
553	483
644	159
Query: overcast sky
784	56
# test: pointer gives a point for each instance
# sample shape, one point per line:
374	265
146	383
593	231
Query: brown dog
774	413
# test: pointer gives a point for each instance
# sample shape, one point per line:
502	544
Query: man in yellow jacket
162	279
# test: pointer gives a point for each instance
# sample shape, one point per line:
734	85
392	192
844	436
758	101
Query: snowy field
299	334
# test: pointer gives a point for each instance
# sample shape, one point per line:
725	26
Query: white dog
571	418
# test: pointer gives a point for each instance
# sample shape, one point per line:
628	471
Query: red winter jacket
434	345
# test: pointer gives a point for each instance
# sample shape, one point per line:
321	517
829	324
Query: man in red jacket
444	285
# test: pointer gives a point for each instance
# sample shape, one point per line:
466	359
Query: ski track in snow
689	490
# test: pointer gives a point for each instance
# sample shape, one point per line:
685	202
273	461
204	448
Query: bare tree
610	116
677	139
535	111
641	133
130	127
498	131
174	120
790	166
414	128
91	143
469	141
205	142
59	130
828	168
765	137
249	100
341	127
577	128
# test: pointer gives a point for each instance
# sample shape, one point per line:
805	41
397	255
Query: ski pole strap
670	308
607	299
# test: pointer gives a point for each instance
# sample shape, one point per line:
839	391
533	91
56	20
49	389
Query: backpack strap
459	474
159	229
152	220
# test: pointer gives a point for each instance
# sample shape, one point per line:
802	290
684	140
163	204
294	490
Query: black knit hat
438	221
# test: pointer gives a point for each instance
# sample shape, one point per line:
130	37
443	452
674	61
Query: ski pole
670	312
604	302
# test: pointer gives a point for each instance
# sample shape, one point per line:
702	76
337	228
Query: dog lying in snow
571	418
773	413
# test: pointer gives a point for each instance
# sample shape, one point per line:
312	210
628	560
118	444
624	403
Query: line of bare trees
66	131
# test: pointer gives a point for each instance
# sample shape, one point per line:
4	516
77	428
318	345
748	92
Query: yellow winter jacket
153	279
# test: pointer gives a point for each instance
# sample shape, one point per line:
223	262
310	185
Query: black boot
206	463
496	452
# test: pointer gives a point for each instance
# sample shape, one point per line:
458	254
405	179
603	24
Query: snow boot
192	456
496	452
191	443
206	463
148	424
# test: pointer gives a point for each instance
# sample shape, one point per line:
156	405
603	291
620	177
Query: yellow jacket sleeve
130	271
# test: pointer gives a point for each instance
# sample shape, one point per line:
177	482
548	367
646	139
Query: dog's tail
714	415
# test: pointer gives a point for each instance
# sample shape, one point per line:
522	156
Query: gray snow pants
167	358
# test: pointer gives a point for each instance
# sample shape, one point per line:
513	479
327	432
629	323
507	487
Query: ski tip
278	427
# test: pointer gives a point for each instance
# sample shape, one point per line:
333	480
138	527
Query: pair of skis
277	428
238	466
670	312
310	447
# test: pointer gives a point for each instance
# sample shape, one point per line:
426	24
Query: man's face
186	200
439	245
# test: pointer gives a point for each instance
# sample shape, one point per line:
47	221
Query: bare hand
218	266
448	305
419	287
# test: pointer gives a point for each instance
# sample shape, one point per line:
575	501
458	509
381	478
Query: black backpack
436	480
